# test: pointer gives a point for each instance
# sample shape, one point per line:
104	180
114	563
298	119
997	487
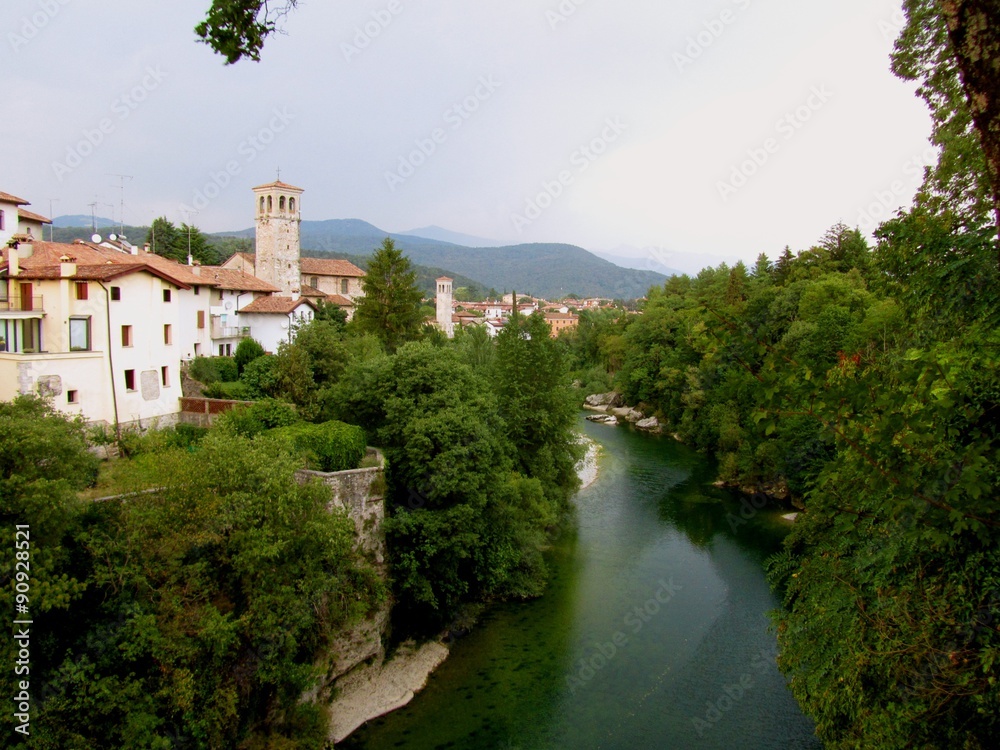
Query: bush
246	352
210	370
261	377
237	391
250	421
331	446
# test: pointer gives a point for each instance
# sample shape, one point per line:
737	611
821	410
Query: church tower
278	217
444	319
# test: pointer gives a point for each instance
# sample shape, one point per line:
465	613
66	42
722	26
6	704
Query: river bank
383	686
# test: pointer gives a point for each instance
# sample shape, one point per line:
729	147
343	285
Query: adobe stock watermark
706	37
563	12
249	149
898	193
732	694
634	620
122	107
31	26
370	30
787	126
890	28
581	159
455	117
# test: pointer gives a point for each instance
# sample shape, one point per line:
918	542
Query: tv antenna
121	186
51	217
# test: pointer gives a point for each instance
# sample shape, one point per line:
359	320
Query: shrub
261	377
331	446
250	421
246	352
237	391
210	370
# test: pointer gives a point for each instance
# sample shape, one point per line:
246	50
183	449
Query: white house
273	319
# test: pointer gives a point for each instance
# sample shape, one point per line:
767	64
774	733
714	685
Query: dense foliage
194	615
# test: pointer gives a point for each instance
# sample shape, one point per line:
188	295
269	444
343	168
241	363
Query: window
343	286
270	204
197	350
262	204
130	380
229	350
222	295
291	205
166	295
79	334
82	289
201	318
197	290
168	335
126	335
222	350
281	204
1	220
27	297
165	376
116	293
314	282
72	397
32	336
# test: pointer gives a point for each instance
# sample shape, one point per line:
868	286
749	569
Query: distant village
103	327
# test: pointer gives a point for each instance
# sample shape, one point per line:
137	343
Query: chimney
196	269
67	266
145	248
190	260
13	267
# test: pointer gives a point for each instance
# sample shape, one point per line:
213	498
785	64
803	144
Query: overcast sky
657	127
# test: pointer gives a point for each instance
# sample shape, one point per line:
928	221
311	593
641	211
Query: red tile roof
233	280
32	216
8	198
339	300
276	305
280	185
329	267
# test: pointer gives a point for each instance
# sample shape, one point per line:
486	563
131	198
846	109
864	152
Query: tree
246	352
237	28
163	238
390	308
974	31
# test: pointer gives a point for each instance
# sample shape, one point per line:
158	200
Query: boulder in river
607	419
611	400
652	424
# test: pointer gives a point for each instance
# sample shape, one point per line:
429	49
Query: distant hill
455	238
82	220
543	270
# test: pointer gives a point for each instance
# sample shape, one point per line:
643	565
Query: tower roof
279	185
443	278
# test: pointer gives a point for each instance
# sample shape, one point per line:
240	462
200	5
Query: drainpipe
111	362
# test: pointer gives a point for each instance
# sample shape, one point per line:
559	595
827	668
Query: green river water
652	634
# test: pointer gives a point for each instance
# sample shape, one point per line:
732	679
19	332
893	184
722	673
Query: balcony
220	331
25	304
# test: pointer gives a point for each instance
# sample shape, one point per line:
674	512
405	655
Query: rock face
608	400
652	424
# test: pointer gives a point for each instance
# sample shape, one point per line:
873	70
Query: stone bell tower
444	295
278	211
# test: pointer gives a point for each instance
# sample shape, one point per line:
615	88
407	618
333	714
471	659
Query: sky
679	132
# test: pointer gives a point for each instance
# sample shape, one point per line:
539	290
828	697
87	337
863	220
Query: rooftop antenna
279	174
188	222
51	217
121	185
93	220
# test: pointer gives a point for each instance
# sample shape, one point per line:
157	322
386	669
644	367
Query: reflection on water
653	632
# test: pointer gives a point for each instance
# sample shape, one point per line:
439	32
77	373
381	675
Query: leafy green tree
237	28
390	308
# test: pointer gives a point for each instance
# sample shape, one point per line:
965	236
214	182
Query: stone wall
361	492
202	412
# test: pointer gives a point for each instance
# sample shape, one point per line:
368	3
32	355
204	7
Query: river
653	632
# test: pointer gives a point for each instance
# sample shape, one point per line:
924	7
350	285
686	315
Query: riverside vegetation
864	383
194	609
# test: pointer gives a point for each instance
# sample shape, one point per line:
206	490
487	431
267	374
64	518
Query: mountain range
549	270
